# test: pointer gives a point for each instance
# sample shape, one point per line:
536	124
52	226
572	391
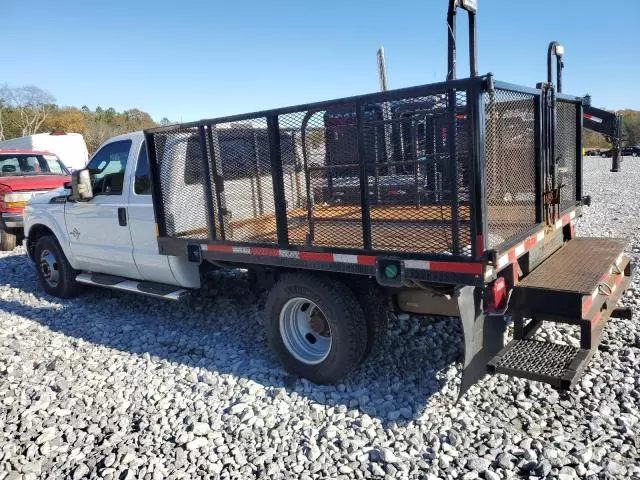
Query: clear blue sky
194	59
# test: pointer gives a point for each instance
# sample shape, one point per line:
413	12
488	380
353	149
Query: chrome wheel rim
305	331
49	268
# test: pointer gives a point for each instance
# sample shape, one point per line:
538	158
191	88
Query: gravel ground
118	386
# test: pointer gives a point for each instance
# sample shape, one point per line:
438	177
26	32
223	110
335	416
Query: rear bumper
11	220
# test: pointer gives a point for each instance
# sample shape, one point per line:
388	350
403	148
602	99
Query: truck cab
113	232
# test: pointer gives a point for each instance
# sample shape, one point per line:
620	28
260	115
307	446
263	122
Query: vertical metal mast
386	110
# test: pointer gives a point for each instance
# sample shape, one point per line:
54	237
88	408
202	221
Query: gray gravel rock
110	385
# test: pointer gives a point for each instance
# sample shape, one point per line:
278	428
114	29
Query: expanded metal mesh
244	165
566	138
541	358
411	174
510	154
323	192
180	171
418	193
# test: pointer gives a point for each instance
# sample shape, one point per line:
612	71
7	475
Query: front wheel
315	326
56	275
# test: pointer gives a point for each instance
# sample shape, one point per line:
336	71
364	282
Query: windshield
30	164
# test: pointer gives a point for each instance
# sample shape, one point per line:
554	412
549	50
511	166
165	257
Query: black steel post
579	130
539	155
552	148
477	169
615	150
279	201
451	43
549	63
154	167
208	193
473	49
559	67
364	178
218	181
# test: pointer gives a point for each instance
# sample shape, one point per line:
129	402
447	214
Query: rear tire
375	306
8	241
315	326
55	274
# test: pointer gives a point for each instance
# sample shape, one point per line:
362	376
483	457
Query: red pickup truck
24	174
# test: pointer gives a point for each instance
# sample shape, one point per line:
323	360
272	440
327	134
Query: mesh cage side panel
333	171
510	164
566	138
180	171
246	186
411	174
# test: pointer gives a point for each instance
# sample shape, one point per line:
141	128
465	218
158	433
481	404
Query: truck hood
34	182
46	197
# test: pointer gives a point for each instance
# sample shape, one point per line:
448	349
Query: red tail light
498	295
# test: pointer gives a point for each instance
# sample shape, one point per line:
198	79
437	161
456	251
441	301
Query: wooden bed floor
393	228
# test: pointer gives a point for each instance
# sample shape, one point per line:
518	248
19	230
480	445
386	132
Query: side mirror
81	188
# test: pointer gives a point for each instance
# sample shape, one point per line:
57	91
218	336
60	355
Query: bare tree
32	105
98	132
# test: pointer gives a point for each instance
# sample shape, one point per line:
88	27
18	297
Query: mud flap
483	336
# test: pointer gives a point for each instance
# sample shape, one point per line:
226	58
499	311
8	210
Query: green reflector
391	271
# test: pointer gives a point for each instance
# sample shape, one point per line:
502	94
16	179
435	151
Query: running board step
558	365
150	289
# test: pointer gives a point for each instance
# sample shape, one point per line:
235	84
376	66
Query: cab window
107	168
142	184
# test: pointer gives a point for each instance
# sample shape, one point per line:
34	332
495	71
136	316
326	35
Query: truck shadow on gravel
219	332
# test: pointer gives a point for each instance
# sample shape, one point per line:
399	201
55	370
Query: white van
70	148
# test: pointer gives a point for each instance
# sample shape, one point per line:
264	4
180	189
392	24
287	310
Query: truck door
98	229
150	263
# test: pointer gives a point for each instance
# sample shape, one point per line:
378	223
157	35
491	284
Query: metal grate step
557	365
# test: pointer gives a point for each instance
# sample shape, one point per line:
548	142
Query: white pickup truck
109	240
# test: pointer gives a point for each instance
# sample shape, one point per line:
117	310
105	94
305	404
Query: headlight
17	199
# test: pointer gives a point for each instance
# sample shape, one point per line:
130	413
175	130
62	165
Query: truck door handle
122	216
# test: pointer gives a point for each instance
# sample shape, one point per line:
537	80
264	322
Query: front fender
52	218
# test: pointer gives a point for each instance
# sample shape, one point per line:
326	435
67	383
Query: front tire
55	274
8	241
315	326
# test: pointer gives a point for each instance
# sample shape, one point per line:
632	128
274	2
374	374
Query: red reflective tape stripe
530	242
455	267
592	118
366	260
316	256
219	248
512	255
566	219
265	252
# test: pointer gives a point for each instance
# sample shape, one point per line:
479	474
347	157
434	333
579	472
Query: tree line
27	110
